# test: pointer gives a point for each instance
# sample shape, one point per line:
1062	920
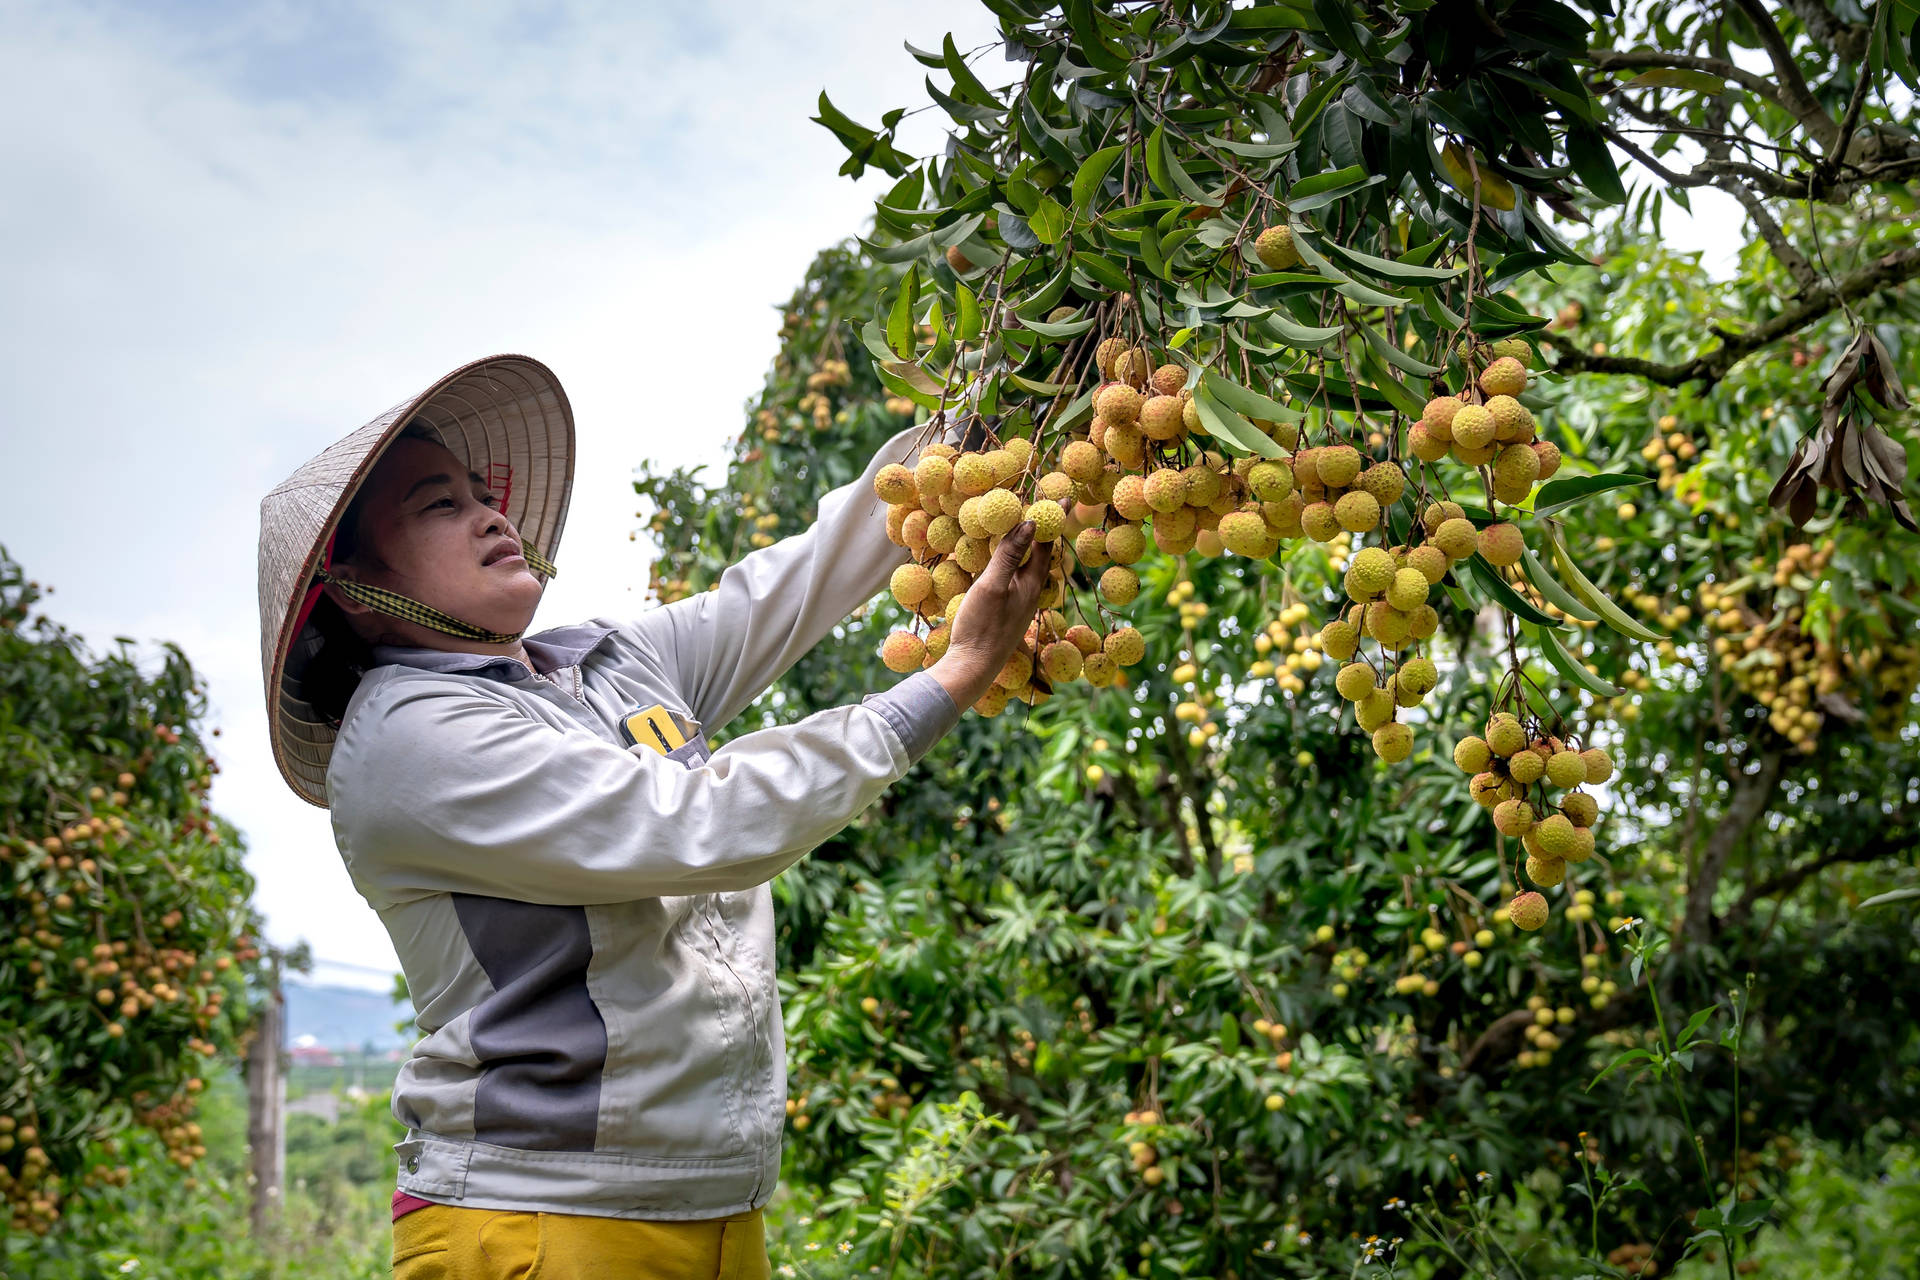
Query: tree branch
1751	792
1793	93
1646	59
1901	839
1888	271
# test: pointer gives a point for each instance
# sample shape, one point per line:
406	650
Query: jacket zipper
753	1026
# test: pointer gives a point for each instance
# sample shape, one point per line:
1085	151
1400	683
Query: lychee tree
1225	974
129	957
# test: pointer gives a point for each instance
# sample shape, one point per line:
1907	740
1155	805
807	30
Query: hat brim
505	409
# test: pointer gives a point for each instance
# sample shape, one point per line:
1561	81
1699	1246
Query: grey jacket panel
586	928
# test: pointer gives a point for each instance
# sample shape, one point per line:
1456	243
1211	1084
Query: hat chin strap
395	605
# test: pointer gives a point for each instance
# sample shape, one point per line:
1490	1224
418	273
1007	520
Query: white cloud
230	238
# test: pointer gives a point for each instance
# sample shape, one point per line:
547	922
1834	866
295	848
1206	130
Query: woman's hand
993	618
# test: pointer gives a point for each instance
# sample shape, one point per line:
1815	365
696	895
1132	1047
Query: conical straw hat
506	416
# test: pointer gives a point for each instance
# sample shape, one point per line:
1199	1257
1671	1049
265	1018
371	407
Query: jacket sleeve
723	647
435	787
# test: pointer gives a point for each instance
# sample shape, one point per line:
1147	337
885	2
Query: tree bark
1751	794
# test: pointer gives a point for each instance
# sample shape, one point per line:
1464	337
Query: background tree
129	968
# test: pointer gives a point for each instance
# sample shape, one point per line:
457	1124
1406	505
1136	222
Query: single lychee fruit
1526	767
1473	427
1357	511
1516	467
1132	367
1371	571
1419	677
1083	638
1355	681
1546	872
1599	766
1319	521
1125	646
1246	534
1338	465
1430	560
1049	521
1339	639
1502	544
1057	485
1472	755
1513	817
1512	422
1168	379
1566	769
1457	538
1556	836
1119	404
1582	845
1274	247
1373	710
1107	352
1119	585
1090	546
937	641
1408	590
1204	485
1505	737
1270	480
958	260
1435	514
1392	628
1385	481
1549	454
1487	789
894	483
1160	417
903	651
1062	661
1582	810
1081	461
932	476
1166	490
1527	910
1393	742
1126	543
1424	445
1438	416
972	553
911	583
1504	377
913	530
1516	348
1099	670
949	579
973	474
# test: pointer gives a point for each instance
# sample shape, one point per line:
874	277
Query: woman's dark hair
334	671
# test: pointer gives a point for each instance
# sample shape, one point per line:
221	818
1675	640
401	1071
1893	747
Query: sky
231	233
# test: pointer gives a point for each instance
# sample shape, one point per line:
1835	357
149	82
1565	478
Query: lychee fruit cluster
1514	772
1485	425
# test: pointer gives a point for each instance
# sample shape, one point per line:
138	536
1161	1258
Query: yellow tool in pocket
652	727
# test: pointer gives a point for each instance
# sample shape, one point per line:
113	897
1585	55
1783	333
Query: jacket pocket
695	753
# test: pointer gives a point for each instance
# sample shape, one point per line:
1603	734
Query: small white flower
786	1269
1483	1176
806	1221
1305	1238
1629	922
1333	1179
131	1264
1266	1246
812	1245
845	1247
1394	1205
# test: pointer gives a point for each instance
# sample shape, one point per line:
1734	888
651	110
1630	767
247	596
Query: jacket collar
551	650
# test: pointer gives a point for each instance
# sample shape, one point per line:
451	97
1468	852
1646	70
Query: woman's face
444	542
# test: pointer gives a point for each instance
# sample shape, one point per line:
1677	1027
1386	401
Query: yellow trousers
445	1242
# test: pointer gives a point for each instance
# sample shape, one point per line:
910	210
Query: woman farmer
576	885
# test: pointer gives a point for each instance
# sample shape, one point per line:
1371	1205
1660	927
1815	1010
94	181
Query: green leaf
900	320
1567	665
1892	895
1610	613
906	251
1399	359
966	85
1049	296
1253	150
1551	591
1049	220
1322	189
1251	403
1295	334
1506	597
1388	269
967	324
1093	172
1103	271
1065	329
1678	78
1587	152
1230	1033
1230	428
1565	491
